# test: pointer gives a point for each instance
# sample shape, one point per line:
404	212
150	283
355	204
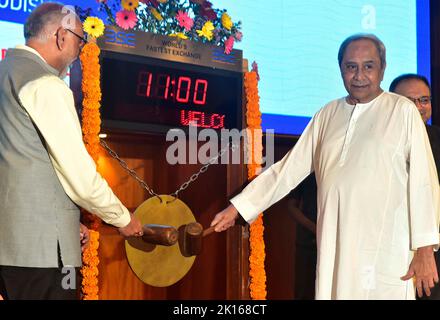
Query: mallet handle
208	231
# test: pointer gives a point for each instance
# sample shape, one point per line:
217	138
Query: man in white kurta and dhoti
378	193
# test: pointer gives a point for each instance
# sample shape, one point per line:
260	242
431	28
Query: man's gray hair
364	36
46	14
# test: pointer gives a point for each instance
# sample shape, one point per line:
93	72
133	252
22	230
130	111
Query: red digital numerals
180	89
163	86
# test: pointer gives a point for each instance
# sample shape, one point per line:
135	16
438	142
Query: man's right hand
225	219
133	229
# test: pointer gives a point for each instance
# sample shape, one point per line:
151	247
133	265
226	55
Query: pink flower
126	19
238	36
229	44
184	20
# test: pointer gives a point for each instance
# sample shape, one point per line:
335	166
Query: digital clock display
170	94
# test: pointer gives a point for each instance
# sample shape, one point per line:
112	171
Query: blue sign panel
18	10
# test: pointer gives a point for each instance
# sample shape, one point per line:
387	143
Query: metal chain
185	185
131	172
203	169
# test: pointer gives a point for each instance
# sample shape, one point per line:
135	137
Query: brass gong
156	265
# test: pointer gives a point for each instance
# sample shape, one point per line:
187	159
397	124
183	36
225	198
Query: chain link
203	169
185	185
131	172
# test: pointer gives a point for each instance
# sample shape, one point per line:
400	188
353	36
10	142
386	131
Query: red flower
208	13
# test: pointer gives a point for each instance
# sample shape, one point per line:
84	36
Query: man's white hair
46	18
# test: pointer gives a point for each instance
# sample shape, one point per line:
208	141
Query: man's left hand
84	236
424	269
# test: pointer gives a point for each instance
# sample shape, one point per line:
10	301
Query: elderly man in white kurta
377	186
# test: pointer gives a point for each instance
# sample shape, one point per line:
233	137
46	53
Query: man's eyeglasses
422	100
84	40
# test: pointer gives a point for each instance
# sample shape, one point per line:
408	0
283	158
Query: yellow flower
130	5
179	35
226	21
206	31
94	27
156	14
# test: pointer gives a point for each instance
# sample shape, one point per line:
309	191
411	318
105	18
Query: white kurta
378	195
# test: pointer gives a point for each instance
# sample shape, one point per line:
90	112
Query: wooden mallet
193	238
160	234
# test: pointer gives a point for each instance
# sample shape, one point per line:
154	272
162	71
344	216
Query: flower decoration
257	256
126	19
94	27
238	36
195	20
91	126
184	20
229	44
226	21
206	31
156	14
89	271
130	5
179	35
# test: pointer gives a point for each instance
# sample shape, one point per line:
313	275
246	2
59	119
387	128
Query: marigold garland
257	256
89	271
91	126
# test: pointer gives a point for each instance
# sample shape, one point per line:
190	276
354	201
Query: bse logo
120	38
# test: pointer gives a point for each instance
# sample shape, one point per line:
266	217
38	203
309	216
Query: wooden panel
205	197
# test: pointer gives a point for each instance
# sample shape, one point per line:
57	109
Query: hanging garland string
257	256
91	125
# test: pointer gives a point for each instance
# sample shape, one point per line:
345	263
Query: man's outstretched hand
225	219
133	229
